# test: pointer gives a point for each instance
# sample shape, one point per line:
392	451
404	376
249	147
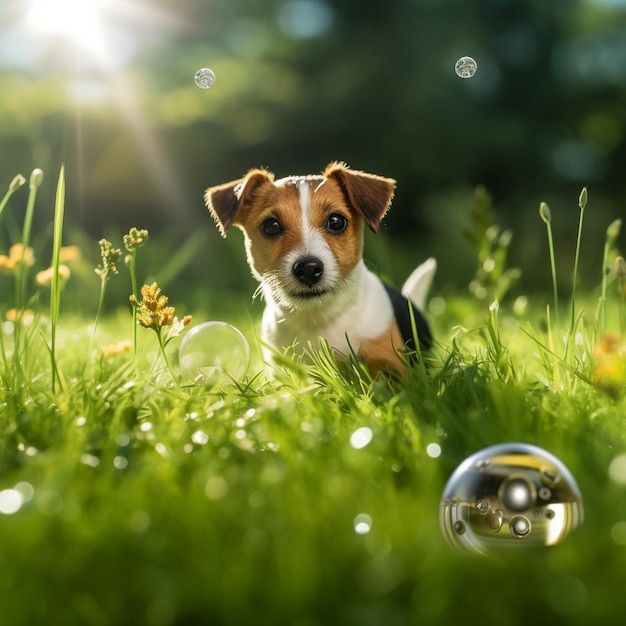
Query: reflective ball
204	78
509	496
214	352
465	67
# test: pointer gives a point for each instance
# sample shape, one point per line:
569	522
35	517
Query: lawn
130	495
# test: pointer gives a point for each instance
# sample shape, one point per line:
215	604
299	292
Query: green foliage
127	497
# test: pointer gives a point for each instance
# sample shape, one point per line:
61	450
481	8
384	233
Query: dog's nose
308	271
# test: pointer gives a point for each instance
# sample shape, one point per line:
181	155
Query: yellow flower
609	364
16	251
27	316
67	254
153	312
135	239
45	276
114	349
110	257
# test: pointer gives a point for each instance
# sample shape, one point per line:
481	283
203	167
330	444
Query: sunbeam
89	27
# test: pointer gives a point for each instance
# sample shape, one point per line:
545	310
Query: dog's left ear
368	194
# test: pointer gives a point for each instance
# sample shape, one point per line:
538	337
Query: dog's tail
418	283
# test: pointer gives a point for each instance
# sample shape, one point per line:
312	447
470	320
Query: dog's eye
336	223
271	227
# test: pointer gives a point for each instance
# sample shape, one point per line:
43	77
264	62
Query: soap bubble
509	496
214	352
465	67
204	78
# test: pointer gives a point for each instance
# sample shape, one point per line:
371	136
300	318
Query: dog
304	242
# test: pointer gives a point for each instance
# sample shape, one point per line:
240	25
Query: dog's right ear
226	201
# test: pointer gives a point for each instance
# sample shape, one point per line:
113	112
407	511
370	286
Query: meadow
130	495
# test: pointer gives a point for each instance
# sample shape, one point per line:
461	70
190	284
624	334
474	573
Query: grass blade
55	293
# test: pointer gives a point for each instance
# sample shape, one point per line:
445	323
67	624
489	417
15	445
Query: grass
126	499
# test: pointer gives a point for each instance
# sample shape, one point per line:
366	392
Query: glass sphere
509	495
204	78
214	352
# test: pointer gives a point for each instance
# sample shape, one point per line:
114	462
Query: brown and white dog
304	241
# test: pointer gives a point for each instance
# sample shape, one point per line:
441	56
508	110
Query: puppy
304	242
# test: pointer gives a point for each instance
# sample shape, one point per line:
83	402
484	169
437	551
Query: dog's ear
368	194
226	201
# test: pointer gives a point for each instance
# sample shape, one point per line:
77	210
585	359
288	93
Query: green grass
150	503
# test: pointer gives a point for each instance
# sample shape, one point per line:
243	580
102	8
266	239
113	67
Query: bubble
362	524
11	501
204	78
200	437
361	437
519	526
433	450
507	496
214	352
465	67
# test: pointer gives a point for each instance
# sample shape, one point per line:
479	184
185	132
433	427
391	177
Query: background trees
303	82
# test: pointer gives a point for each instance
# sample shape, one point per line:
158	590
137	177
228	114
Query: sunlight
76	20
109	31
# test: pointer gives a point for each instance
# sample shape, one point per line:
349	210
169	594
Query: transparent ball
214	352
509	496
204	78
465	67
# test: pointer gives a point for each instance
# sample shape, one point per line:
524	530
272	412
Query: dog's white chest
361	312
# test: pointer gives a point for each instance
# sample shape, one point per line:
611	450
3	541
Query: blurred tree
303	82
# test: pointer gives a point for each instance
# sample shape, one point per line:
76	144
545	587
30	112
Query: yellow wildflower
110	257
153	312
27	316
135	239
609	364
16	252
45	276
67	254
114	349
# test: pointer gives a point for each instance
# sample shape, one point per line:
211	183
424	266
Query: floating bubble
11	501
509	496
465	67
204	78
361	437
214	352
362	524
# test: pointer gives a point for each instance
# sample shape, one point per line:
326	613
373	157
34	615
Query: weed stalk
546	216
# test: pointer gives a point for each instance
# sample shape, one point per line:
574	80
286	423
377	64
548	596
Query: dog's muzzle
308	271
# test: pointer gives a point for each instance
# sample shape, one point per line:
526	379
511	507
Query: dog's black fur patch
400	306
